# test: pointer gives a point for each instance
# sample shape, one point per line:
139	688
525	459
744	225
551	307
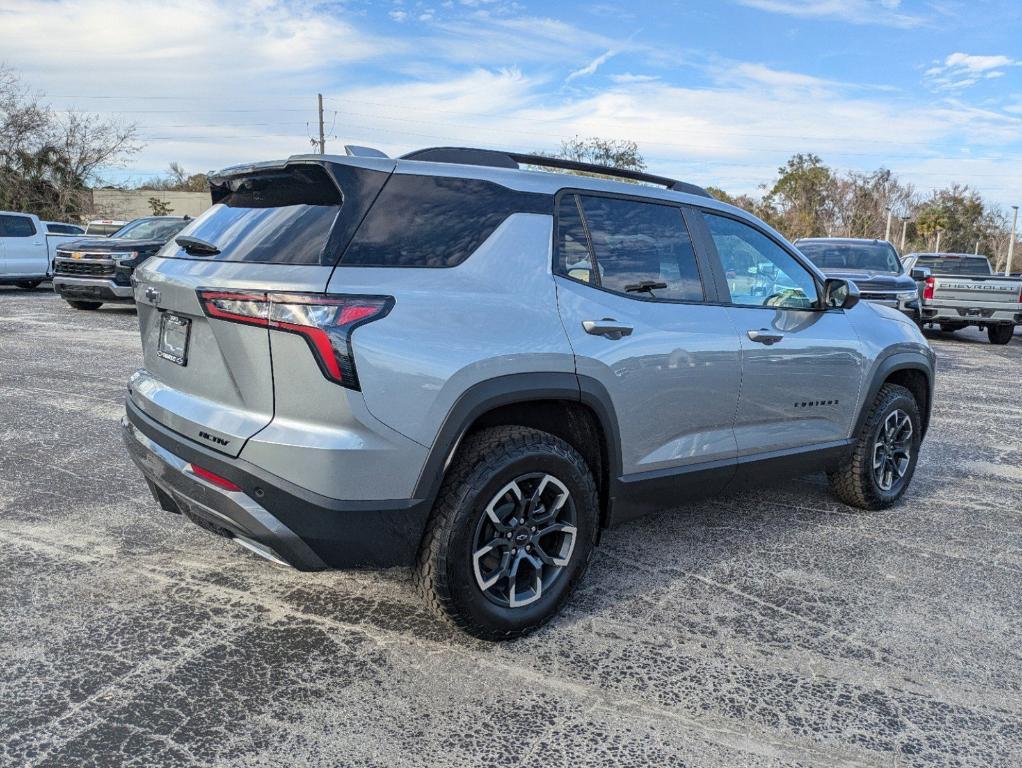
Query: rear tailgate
272	228
988	292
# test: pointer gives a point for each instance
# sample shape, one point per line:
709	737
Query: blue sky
717	92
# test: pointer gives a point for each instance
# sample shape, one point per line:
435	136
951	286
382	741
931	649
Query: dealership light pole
1011	242
904	229
322	138
887	232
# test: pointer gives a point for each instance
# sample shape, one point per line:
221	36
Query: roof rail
500	159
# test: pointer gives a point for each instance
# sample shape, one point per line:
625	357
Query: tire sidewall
481	487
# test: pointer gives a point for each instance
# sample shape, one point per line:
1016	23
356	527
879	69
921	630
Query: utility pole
904	229
322	137
977	248
887	232
1011	242
937	248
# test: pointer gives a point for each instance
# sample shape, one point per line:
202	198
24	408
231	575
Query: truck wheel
882	462
951	327
511	533
29	285
85	304
1000	334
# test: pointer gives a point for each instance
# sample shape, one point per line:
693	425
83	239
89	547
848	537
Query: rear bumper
980	316
92	289
270	515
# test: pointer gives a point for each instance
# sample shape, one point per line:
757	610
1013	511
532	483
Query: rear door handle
608	327
763	336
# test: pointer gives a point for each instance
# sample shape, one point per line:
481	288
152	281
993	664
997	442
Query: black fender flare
507	390
896	361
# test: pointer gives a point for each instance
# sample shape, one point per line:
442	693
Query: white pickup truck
27	248
960	289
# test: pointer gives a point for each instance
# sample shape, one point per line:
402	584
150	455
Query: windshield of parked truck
953	264
150	229
867	257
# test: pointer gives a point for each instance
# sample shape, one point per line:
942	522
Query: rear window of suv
270	217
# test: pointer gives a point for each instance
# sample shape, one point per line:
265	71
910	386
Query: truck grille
84	268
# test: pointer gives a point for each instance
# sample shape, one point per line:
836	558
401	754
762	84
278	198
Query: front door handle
763	336
608	327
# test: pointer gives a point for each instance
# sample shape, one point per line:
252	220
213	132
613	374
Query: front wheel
884	457
1000	334
511	533
85	304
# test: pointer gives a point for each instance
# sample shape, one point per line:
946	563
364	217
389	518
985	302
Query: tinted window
150	229
16	226
759	272
434	221
869	257
954	265
64	229
273	217
642	249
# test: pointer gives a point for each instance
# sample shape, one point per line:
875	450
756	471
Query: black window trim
723	288
703	266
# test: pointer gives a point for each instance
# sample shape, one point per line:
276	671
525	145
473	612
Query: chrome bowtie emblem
152	294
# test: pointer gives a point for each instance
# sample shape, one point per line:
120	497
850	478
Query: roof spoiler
500	159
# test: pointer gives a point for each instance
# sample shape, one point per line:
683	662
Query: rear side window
16	226
641	249
64	229
434	221
271	217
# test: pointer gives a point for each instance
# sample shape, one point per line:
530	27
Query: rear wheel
1000	334
884	457
511	533
29	285
951	327
85	304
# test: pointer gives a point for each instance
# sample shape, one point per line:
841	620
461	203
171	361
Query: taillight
928	288
326	322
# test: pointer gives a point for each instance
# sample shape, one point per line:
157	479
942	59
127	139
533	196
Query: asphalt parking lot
765	629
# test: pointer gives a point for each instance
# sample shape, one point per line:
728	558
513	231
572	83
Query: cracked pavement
768	628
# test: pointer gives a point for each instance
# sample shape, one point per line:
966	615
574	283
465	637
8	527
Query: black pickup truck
90	272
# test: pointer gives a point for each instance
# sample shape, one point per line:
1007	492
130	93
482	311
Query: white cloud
961	70
881	12
592	66
398	16
628	77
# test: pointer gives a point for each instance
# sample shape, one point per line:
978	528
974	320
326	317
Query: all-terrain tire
854	482
1000	334
485	463
85	304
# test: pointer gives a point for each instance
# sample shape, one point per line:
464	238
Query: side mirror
840	294
919	274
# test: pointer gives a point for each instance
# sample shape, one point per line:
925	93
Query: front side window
640	249
759	272
573	254
16	226
150	229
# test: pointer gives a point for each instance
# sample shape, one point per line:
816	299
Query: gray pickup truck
961	289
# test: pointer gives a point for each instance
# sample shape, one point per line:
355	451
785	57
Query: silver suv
448	362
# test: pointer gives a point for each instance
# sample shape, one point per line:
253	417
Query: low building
128	204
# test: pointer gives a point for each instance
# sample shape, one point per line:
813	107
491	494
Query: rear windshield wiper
646	286
196	246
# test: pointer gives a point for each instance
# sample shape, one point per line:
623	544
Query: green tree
160	207
613	153
803	197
